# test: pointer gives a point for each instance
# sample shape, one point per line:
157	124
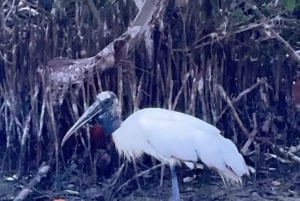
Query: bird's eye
106	102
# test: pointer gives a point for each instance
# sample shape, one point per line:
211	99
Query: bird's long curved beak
91	112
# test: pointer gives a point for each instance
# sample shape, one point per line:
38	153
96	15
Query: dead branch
117	175
65	72
280	159
290	155
139	175
115	178
270	32
235	114
242	94
294	149
248	90
251	137
94	11
139	3
286	153
290	50
23	141
215	37
184	81
42	172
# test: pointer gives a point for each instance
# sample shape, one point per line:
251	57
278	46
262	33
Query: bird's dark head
105	111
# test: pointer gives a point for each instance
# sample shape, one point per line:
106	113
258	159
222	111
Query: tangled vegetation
235	64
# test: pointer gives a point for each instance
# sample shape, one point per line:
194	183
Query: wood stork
169	136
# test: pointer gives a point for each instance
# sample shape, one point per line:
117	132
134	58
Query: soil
206	185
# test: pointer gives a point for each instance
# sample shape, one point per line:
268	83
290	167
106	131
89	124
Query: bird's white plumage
174	137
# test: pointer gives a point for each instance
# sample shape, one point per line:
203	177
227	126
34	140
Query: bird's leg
175	188
162	171
136	171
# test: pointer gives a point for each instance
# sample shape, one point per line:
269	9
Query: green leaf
289	4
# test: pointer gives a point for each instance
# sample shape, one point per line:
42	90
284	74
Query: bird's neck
110	123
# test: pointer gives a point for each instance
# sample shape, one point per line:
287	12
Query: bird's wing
173	135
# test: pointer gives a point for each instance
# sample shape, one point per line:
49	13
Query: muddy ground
277	185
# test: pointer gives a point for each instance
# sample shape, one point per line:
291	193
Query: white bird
169	136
